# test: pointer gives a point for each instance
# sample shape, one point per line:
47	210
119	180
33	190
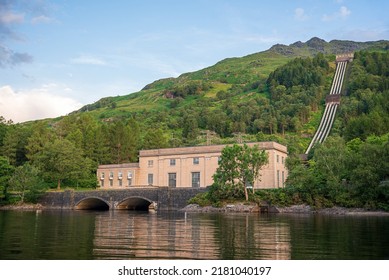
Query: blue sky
56	56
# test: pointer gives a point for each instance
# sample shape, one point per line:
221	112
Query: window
120	182
110	183
196	160
195	179
172	180
282	160
278	178
120	175
129	178
283	179
172	162
150	163
102	183
150	179
278	158
111	175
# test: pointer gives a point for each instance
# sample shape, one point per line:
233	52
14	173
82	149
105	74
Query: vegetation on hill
273	95
351	167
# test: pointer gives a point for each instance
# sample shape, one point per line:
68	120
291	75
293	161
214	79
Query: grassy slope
224	75
229	72
221	76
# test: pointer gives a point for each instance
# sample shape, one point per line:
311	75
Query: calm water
142	235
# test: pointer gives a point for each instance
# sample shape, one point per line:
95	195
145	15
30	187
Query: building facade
190	167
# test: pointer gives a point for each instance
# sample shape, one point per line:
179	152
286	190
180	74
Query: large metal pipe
328	117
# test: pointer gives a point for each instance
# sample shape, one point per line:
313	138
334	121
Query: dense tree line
300	71
66	153
348	174
365	109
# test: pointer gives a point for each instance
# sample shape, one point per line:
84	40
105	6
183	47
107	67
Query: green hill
232	97
277	94
245	73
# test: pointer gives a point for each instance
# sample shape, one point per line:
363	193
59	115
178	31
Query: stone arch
135	203
92	203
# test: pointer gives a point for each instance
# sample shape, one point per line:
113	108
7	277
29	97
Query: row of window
196	161
282	159
172	162
129	183
120	175
172	180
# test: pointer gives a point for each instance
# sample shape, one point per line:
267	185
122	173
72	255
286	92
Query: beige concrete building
188	167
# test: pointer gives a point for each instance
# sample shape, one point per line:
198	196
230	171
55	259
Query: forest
349	169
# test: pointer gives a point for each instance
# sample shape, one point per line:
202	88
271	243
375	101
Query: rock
300	209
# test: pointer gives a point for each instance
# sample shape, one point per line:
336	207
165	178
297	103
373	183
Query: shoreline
295	209
237	208
23	207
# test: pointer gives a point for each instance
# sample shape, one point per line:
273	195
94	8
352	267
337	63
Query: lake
90	235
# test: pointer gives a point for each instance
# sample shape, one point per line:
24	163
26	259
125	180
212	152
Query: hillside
277	94
250	70
232	97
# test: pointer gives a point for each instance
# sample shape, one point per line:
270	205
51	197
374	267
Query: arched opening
135	203
92	203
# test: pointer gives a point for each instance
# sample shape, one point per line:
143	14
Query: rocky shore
228	208
23	207
241	208
295	209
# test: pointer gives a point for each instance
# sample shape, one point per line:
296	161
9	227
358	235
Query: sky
56	56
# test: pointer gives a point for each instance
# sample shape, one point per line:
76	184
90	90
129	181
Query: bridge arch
135	203
92	203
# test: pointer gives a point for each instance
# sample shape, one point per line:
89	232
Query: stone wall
167	199
171	199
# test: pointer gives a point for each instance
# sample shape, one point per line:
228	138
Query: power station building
188	167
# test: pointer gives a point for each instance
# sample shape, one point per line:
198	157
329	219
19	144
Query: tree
239	168
62	160
38	140
124	140
6	170
4	125
154	139
25	180
14	144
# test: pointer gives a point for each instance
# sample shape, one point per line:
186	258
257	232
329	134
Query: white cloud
343	13
300	15
88	60
10	17
41	19
39	103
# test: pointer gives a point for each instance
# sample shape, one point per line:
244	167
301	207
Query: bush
200	199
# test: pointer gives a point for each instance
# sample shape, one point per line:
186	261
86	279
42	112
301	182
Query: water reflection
124	235
142	235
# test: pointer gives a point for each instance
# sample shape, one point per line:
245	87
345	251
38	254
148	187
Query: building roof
122	165
207	149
